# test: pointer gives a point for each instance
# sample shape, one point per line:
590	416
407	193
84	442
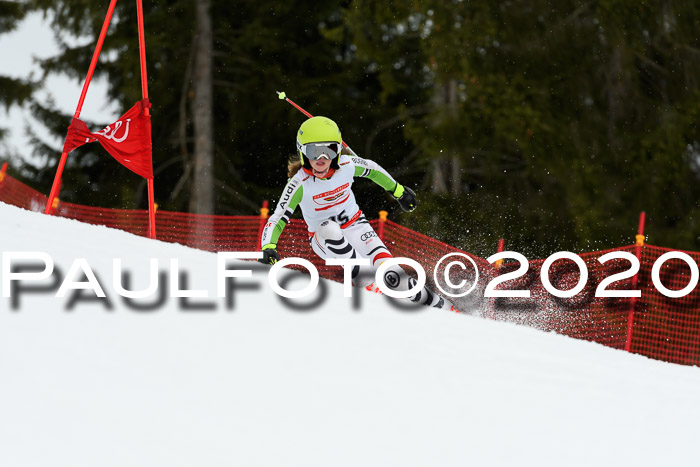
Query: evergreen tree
13	91
551	124
202	201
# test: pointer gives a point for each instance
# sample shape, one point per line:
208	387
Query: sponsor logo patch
367	235
331	198
333	192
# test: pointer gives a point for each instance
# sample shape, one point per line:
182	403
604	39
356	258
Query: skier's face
321	166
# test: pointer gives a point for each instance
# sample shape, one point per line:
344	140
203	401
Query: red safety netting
583	316
18	194
667	328
653	325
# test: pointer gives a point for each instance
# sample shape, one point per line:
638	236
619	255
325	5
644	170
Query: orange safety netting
653	325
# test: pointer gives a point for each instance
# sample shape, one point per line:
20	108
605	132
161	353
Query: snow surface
267	385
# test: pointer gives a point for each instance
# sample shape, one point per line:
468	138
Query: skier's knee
329	230
396	278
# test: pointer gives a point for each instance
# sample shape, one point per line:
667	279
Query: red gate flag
128	139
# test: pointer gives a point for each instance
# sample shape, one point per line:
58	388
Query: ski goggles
315	151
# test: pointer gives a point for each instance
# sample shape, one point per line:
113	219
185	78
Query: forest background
551	124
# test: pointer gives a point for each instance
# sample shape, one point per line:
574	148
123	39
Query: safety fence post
54	204
264	211
633	300
497	265
56	200
382	221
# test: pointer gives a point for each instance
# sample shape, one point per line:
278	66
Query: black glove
405	197
270	255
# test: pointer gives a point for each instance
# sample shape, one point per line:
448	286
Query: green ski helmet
319	137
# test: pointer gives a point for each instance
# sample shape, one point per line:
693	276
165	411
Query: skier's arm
291	197
366	168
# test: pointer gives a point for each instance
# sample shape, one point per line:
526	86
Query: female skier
320	182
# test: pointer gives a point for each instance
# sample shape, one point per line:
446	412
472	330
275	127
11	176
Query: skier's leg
396	278
365	241
329	242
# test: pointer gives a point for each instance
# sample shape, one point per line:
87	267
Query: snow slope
335	385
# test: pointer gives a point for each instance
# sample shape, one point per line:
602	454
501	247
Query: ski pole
283	96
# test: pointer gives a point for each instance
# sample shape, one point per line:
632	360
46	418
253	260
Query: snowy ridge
264	384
